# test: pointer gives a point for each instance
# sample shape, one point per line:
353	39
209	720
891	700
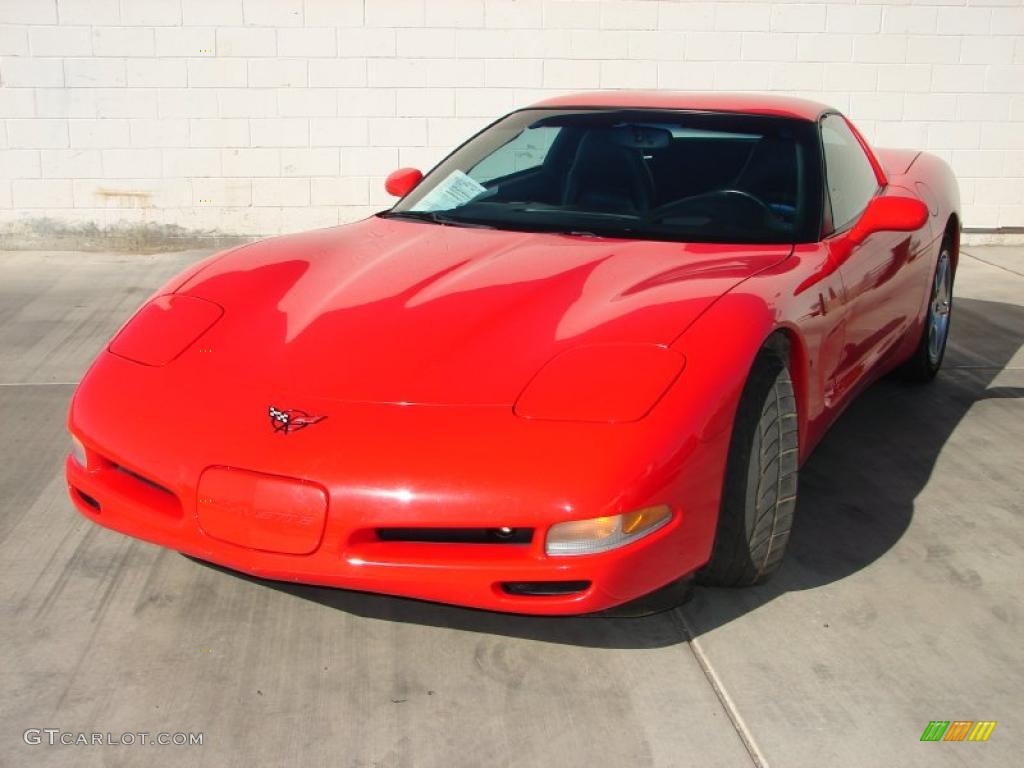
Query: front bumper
473	575
385	466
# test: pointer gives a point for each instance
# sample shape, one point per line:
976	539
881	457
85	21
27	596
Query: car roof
745	103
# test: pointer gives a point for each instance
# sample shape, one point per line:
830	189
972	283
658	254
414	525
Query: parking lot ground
900	602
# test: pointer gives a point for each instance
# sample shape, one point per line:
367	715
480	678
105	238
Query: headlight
164	328
78	451
599	534
608	383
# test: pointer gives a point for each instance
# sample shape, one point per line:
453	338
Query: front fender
721	345
720	348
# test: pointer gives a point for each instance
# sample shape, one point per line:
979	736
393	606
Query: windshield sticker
457	189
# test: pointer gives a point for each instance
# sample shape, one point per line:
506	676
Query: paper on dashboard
455	190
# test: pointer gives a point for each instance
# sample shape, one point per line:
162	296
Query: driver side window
851	179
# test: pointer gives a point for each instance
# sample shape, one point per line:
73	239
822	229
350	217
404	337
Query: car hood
386	310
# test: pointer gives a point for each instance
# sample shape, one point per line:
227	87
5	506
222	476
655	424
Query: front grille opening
151	483
544	588
458	535
87	499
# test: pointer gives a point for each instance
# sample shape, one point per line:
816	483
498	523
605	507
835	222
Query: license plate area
260	511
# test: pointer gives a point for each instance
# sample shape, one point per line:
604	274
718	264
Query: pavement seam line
992	264
757	757
37	383
984	367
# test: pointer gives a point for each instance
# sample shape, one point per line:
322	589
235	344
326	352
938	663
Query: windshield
651	174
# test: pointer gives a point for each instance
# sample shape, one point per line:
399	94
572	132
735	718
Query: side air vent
544	588
87	499
142	479
458	535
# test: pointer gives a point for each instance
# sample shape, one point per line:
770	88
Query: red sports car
581	359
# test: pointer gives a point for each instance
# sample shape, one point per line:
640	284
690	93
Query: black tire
759	495
927	359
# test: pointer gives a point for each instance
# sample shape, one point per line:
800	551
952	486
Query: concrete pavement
899	603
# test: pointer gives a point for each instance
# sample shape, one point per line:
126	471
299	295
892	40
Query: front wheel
759	495
931	348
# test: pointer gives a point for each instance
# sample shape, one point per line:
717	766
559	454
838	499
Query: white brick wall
262	116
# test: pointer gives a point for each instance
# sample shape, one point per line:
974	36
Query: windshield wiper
434	217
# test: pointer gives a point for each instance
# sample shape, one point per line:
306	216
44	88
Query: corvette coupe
581	359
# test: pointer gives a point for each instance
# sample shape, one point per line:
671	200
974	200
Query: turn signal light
600	534
78	452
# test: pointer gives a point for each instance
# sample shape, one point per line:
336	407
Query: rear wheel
759	496
931	348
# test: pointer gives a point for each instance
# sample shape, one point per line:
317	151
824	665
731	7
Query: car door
882	301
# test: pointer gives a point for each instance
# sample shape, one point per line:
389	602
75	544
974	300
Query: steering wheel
705	203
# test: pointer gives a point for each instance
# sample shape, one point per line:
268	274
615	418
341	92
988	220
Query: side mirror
889	214
401	182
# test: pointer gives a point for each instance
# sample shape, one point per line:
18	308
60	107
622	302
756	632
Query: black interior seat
770	173
606	176
694	166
